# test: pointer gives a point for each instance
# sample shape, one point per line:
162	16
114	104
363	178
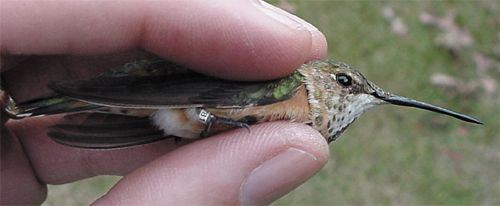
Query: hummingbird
152	99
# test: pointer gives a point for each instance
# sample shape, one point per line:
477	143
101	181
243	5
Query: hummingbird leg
230	122
209	119
206	118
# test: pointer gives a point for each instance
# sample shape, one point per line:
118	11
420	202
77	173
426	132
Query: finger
18	181
56	164
244	39
237	167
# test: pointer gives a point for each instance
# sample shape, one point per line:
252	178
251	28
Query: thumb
237	167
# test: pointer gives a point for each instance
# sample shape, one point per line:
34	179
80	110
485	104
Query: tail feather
56	104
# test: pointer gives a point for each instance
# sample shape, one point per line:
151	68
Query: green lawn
395	155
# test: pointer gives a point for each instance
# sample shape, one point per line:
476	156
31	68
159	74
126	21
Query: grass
395	155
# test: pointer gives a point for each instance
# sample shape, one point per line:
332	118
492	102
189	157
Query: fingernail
318	45
278	176
318	41
284	17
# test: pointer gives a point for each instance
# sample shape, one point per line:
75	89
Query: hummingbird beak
403	101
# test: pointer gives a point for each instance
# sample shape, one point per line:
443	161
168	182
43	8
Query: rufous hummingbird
152	99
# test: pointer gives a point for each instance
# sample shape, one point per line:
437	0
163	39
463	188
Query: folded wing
173	89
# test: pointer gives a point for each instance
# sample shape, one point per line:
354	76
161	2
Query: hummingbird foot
209	120
230	122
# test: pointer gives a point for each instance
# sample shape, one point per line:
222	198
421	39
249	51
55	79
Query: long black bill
403	101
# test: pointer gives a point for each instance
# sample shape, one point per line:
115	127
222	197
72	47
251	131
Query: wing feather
104	131
172	90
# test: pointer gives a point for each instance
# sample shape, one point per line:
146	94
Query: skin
240	40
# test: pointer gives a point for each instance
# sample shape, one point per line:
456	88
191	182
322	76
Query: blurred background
446	53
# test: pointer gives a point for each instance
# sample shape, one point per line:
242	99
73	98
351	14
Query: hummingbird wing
104	131
176	90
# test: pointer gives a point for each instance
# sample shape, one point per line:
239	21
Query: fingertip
318	44
228	168
305	154
294	135
241	41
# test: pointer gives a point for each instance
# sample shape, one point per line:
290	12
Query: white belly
178	122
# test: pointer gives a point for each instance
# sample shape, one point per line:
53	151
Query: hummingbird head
350	94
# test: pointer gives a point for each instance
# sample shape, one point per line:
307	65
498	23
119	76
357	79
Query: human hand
241	40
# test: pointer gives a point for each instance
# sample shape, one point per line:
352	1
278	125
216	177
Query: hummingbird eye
344	80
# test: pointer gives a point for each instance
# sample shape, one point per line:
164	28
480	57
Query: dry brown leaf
452	36
398	27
